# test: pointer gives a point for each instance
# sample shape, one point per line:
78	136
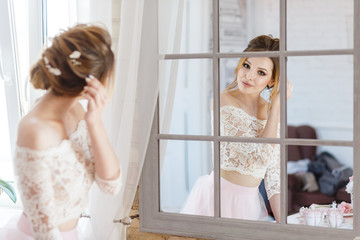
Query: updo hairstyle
92	45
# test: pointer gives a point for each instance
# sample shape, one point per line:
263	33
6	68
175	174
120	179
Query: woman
245	113
61	149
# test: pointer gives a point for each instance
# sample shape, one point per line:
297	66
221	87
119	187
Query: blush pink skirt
236	201
19	228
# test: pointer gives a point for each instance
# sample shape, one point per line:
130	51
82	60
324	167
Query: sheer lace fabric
54	183
254	159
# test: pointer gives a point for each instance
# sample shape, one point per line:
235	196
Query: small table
297	219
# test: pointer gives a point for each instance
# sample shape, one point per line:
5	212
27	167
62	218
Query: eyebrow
264	69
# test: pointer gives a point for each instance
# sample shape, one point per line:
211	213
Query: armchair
296	197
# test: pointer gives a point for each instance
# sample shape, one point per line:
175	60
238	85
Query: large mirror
320	106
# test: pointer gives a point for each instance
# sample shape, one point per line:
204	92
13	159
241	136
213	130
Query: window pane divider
216	104
291	53
288	141
283	114
356	149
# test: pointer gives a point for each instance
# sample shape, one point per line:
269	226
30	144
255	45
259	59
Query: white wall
323	92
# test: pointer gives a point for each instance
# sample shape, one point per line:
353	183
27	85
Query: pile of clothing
325	173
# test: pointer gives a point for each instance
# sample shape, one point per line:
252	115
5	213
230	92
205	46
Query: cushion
342	195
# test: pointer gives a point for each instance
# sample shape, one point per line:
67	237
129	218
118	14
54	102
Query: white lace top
254	159
54	183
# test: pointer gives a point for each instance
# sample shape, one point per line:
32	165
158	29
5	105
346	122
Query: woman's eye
245	65
261	73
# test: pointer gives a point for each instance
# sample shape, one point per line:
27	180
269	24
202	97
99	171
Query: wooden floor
133	233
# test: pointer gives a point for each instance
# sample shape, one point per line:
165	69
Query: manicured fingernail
87	79
85	88
91	76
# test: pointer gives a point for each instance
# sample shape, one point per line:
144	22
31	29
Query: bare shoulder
227	98
39	134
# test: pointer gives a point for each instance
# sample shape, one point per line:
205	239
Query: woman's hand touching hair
289	91
97	97
107	166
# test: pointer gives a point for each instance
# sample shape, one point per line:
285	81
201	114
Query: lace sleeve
272	176
34	180
111	187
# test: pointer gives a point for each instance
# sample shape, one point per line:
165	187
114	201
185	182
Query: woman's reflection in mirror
245	113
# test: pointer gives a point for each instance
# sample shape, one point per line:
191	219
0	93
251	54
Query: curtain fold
128	117
167	103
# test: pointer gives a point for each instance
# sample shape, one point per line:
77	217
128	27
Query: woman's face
255	75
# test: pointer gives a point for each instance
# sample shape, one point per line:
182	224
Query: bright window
29	27
5	153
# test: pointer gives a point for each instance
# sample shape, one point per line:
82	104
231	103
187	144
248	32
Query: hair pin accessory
54	71
73	56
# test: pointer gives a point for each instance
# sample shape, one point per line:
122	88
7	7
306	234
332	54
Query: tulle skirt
236	201
19	228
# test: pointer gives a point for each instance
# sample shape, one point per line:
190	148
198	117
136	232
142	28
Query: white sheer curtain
129	116
93	11
176	11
